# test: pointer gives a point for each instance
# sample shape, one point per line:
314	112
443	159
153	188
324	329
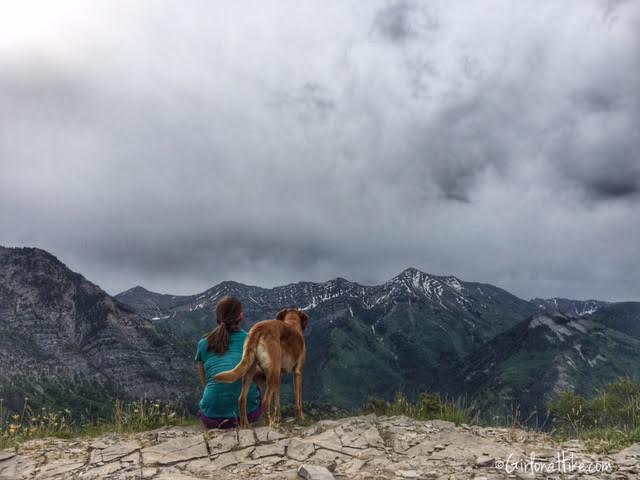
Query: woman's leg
222	423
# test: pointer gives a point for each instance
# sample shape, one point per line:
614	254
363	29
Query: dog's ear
304	319
281	314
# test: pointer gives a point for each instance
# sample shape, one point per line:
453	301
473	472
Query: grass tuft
429	406
137	416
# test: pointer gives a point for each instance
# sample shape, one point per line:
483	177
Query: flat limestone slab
114	452
17	467
6	455
59	468
299	450
181	449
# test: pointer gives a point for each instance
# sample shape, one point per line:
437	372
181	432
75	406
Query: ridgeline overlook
358	448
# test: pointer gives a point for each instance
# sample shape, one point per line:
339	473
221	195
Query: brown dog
272	347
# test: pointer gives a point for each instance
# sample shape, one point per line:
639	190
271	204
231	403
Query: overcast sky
178	144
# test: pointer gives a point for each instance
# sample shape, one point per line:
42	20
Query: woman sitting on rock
219	351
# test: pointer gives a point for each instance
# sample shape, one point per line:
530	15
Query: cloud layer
176	145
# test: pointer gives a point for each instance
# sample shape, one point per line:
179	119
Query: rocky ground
365	447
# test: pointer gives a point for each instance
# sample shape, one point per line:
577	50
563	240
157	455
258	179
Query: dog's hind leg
266	402
276	399
273	390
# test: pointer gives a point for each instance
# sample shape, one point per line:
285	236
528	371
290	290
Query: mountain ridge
543	355
410	281
59	330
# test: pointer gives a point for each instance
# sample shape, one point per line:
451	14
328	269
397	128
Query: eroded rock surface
360	448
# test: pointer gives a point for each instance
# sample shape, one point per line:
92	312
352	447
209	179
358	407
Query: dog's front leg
298	393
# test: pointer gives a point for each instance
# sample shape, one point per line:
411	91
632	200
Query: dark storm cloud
401	20
394	21
596	101
496	141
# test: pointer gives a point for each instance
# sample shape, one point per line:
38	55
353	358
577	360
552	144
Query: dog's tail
248	357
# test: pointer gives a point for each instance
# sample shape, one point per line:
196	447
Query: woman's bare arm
203	375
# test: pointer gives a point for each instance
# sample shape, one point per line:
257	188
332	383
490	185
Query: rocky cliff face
357	448
57	328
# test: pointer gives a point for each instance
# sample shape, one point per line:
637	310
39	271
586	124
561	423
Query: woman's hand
203	375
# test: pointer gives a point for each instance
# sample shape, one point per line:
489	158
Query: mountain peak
410	271
30	252
137	290
340	281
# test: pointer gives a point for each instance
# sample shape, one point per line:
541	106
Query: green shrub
608	420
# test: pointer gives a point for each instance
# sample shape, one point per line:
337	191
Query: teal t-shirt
220	400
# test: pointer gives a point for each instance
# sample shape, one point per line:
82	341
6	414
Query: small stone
412	474
484	461
98	445
314	472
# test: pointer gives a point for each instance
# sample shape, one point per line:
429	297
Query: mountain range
416	332
396	336
420	332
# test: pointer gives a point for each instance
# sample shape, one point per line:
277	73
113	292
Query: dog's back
269	342
277	342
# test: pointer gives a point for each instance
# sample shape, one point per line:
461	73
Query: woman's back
220	400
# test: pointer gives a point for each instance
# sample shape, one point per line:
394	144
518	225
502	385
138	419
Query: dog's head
303	318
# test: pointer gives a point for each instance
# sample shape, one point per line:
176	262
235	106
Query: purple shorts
228	422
